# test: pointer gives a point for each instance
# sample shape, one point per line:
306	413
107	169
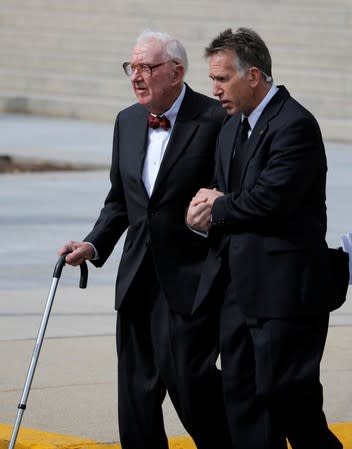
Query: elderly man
163	343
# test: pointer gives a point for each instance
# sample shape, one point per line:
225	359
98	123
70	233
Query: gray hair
172	46
248	47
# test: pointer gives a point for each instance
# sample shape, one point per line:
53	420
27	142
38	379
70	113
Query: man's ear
254	76
178	73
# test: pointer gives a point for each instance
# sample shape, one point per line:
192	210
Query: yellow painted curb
343	431
36	439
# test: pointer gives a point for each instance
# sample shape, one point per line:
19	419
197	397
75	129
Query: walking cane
23	402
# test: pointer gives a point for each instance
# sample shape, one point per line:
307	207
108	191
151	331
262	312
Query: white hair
173	47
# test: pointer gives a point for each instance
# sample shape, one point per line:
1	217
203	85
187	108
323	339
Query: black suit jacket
272	231
158	222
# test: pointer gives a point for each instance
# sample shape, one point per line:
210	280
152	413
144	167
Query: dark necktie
243	132
240	149
156	121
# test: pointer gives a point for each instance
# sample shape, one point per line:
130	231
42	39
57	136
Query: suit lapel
228	140
137	131
261	127
183	130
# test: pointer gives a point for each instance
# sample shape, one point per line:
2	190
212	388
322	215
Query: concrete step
321	14
304	38
93	109
62	83
304	82
105	60
315	80
309	18
333	129
97	65
65	57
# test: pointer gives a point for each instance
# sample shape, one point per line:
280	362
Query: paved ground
74	389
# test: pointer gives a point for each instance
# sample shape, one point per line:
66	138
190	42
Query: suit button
147	243
152	212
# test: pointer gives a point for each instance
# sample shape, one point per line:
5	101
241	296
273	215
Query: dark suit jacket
273	229
158	222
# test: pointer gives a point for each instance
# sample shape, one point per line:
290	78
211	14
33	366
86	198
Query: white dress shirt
157	142
254	115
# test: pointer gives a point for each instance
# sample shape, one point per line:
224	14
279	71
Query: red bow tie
156	121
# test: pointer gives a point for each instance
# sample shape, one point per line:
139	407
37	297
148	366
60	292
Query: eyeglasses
145	69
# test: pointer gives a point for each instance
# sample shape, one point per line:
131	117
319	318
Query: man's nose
216	90
136	75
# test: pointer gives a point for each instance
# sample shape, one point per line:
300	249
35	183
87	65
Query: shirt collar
171	113
254	115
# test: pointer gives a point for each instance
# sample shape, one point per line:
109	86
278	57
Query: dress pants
158	351
288	356
271	380
249	421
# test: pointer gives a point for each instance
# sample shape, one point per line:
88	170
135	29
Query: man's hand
199	210
78	252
